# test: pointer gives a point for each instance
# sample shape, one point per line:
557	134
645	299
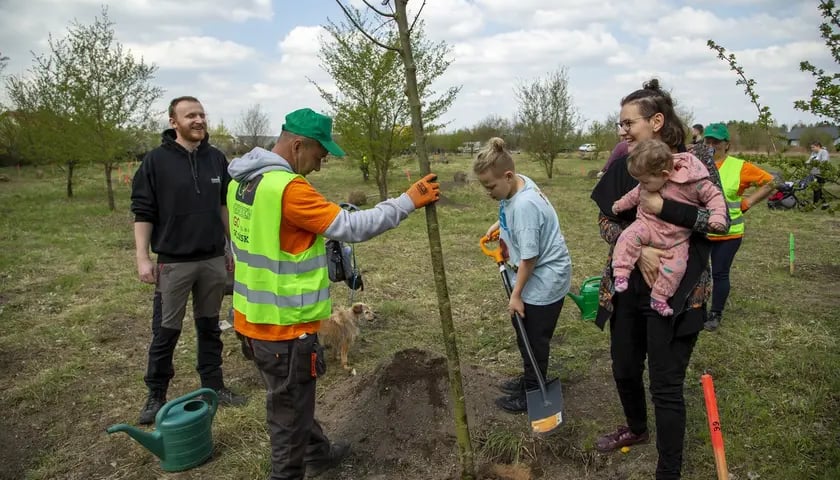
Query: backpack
341	265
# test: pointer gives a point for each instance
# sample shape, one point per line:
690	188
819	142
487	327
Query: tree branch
378	12
411	29
362	30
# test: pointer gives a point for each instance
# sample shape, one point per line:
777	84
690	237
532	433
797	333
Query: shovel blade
545	412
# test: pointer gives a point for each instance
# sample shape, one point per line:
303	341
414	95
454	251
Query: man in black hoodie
179	205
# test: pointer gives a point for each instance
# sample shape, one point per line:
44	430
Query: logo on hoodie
216	180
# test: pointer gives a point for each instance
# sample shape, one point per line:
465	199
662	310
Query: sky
232	54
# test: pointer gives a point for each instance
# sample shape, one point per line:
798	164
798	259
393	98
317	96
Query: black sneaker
338	452
153	404
513	385
712	321
230	399
515	403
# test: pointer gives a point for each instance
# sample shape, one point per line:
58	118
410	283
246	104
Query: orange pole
714	426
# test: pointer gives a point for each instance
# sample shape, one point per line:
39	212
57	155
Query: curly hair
650	157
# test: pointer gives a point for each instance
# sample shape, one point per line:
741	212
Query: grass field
74	328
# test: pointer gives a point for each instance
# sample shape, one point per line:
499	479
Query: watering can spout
153	441
578	299
587	301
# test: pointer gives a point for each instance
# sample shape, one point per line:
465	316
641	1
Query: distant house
795	134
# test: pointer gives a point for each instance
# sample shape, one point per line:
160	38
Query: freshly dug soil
399	419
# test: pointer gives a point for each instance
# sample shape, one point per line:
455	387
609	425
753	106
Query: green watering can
587	301
183	438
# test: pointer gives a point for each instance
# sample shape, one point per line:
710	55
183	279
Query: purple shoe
621	284
661	307
622	437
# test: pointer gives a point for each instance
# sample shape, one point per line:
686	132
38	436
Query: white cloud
233	53
449	18
191	53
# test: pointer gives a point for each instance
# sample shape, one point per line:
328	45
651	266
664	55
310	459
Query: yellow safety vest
272	286
730	178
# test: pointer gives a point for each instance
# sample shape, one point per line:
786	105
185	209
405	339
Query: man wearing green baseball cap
281	294
310	124
717	131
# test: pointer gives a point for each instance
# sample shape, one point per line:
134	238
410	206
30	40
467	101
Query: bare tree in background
395	11
548	117
253	126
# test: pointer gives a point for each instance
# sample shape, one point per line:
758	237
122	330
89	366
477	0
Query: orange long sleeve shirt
305	215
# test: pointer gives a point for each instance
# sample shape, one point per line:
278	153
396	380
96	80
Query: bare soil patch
399	421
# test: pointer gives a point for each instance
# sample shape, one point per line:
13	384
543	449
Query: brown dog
342	328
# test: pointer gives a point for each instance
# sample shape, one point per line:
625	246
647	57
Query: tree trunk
70	165
380	174
109	168
462	431
547	166
550	167
382	183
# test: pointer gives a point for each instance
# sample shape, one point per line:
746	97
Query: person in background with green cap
281	293
736	175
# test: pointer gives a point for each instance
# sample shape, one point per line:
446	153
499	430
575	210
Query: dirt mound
399	418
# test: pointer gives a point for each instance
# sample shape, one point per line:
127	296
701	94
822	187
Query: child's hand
717	227
493	229
516	305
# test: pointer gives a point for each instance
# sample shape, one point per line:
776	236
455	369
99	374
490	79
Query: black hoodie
181	193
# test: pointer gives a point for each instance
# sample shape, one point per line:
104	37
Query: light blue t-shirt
529	226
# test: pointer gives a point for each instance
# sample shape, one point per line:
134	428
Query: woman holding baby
663	329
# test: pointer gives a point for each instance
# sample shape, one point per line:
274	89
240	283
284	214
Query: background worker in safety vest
364	166
736	175
281	293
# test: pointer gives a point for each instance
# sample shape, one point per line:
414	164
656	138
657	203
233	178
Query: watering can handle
496	253
208	393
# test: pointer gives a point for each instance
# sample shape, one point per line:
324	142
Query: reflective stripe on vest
730	179
272	286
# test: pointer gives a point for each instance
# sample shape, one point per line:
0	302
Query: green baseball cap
311	124
718	131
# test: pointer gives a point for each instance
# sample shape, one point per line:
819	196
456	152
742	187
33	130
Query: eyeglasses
626	124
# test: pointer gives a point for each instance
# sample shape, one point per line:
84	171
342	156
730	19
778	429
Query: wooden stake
714	426
791	256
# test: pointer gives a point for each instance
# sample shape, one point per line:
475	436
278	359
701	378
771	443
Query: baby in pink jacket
680	177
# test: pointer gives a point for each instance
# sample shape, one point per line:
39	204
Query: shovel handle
520	326
496	253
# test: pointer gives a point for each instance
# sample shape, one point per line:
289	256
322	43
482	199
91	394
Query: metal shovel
545	405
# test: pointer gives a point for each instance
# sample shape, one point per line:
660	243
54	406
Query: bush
357	198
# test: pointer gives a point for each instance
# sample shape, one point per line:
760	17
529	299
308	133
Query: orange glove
424	191
745	205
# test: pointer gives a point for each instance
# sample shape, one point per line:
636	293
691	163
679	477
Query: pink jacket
689	183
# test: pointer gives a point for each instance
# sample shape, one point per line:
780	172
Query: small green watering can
183	438
587	301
